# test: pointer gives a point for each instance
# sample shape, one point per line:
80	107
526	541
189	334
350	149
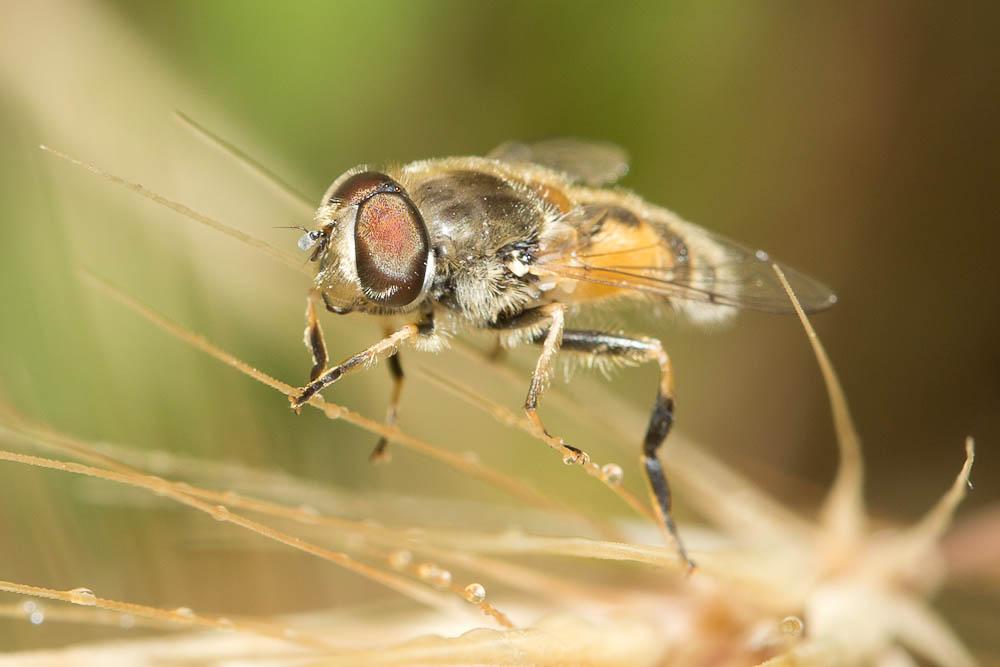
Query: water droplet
593	468
29	606
438	577
762	255
441	579
184	612
475	593
37	617
307	514
612	473
127	621
82	596
220	513
400	560
791	625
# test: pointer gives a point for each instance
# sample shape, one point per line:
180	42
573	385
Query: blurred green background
857	141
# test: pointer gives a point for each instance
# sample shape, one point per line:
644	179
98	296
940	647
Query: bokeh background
857	141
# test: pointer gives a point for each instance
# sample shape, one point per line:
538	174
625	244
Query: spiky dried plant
773	586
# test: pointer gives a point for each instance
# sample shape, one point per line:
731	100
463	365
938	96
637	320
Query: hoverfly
516	243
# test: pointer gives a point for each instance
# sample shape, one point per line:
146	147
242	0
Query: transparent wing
744	278
589	162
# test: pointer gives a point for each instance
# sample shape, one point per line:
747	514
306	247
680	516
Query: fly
517	243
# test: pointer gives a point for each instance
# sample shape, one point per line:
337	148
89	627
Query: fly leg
542	374
313	338
379	454
386	347
638	350
544	325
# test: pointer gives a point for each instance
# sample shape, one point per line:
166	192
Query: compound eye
361	186
391	249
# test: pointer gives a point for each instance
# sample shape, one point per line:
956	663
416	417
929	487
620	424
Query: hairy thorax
477	219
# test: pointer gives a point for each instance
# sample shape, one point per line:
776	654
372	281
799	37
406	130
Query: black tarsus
396	372
660	421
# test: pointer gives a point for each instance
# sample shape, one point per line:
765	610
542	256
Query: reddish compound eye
363	185
391	249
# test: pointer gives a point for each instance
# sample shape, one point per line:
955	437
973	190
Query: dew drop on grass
82	596
400	560
307	514
441	579
37	617
220	513
475	593
576	458
791	626
436	576
184	612
612	473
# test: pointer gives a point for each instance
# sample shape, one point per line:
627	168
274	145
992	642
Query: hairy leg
386	347
660	421
547	323
379	454
313	338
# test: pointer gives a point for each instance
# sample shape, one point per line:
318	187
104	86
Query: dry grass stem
389	537
281	256
182	616
843	511
287	192
774	586
178	492
457	462
508	418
